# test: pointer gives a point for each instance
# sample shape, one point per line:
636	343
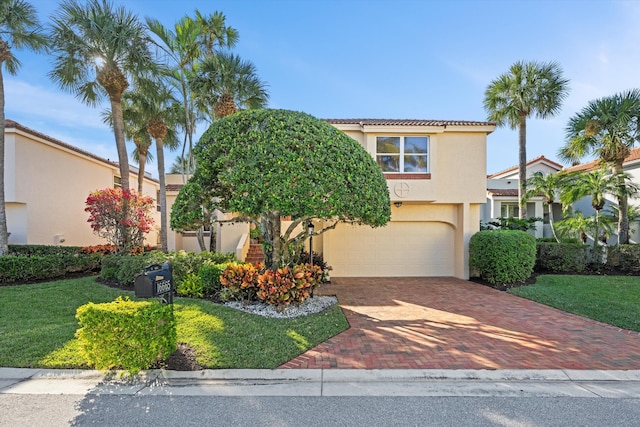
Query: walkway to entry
448	323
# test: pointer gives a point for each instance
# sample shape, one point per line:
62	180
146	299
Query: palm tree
214	33
595	184
19	28
225	83
97	49
529	88
607	127
184	48
633	214
156	108
578	224
179	165
549	186
135	130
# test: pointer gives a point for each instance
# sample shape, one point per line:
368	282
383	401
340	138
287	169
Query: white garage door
396	250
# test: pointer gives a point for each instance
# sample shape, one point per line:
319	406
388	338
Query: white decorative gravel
309	306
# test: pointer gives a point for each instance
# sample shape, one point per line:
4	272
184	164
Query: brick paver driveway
448	323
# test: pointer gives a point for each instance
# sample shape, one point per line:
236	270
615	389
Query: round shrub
502	257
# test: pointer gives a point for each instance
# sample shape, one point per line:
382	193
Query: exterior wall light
397	204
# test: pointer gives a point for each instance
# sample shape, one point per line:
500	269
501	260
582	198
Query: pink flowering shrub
120	216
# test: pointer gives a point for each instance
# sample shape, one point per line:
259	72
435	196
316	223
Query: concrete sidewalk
328	382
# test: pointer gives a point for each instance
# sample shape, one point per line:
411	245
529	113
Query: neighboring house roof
510	192
595	164
174	187
406	122
18	126
540	159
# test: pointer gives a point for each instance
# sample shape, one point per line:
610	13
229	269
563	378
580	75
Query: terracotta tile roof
174	187
595	164
406	122
503	191
16	125
529	163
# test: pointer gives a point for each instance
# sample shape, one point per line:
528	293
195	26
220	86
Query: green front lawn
609	299
37	327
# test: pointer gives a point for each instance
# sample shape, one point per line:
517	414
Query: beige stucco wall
48	185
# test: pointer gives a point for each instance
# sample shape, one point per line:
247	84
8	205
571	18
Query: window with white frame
117	182
403	154
509	210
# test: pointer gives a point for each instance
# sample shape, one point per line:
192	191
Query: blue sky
419	59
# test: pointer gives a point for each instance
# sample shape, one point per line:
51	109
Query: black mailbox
156	280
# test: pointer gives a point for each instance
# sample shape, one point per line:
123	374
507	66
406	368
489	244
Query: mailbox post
156	281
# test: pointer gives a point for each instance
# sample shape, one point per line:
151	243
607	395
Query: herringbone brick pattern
448	323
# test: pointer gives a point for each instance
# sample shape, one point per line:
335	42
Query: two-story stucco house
46	185
436	177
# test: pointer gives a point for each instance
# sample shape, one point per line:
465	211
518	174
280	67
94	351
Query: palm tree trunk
163	196
623	206
553	230
4	234
142	160
118	130
522	166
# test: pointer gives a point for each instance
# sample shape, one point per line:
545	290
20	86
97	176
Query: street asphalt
610	384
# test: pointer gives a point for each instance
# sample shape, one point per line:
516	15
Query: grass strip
610	299
37	327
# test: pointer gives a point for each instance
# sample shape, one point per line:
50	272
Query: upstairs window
117	182
403	154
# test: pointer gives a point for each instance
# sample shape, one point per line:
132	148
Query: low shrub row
125	334
505	257
25	268
552	257
578	258
123	269
43	250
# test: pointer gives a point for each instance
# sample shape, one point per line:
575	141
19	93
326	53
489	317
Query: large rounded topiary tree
268	164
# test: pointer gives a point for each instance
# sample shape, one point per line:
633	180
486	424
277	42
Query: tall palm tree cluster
607	128
159	81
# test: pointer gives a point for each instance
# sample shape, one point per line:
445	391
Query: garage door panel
398	249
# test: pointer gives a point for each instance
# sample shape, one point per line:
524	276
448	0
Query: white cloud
44	103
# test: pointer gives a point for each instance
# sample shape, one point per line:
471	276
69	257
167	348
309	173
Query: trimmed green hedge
123	269
624	258
561	257
43	250
22	268
502	257
130	335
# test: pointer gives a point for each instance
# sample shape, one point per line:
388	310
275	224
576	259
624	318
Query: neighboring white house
46	185
631	166
502	196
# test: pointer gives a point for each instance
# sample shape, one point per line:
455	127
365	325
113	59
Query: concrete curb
329	375
326	382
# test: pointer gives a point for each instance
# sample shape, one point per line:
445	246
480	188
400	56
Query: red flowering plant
120	216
